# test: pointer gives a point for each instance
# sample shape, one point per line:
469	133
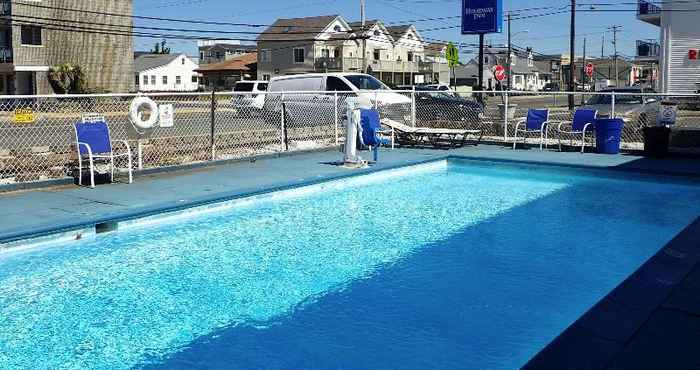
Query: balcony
5	55
648	49
649	12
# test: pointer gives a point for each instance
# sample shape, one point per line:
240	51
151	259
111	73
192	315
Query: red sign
693	54
499	72
589	69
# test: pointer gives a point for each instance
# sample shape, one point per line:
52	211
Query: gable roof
357	26
150	61
295	29
242	63
398	31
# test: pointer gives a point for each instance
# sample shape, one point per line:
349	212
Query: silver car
640	110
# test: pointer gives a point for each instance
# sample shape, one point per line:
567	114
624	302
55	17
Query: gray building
44	34
221	52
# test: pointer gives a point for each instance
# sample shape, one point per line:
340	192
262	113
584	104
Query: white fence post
505	118
282	124
413	106
335	116
612	105
139	150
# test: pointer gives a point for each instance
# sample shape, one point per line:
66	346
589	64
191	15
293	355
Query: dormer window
409	36
377	33
337	28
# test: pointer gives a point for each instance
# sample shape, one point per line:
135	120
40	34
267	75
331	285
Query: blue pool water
462	265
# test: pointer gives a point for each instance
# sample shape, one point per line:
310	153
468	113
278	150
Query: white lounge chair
438	137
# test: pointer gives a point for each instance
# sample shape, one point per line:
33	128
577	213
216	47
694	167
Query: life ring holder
143	125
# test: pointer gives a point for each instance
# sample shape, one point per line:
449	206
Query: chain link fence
36	133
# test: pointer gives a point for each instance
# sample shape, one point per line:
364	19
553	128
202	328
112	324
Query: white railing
36	131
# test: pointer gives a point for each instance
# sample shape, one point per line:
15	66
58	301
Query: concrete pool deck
650	321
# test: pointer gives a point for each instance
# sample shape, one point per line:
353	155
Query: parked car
637	109
436	105
551	86
310	100
248	100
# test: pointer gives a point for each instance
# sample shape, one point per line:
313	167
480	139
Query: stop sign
499	72
589	69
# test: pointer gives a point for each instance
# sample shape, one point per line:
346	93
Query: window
266	77
183	61
201	55
299	55
377	54
145	80
336	84
165	80
409	57
178	80
137	80
336	53
153	80
337	28
195	79
265	56
262	87
31	35
244	87
325	53
364	82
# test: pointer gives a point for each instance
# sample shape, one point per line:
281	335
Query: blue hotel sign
482	16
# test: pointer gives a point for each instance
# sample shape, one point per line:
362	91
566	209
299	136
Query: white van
252	94
310	97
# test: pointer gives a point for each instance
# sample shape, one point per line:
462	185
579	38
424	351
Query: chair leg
515	138
111	174
80	170
541	138
92	173
560	142
583	143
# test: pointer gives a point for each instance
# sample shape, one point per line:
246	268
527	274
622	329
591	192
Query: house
224	75
28	49
679	59
396	55
218	51
166	72
526	74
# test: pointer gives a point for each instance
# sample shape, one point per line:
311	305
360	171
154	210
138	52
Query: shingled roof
296	29
241	63
150	61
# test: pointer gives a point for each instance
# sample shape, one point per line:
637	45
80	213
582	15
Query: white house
680	43
166	73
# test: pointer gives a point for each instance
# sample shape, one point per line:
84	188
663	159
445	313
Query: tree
161	48
67	79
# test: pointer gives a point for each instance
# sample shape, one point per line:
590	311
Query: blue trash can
607	135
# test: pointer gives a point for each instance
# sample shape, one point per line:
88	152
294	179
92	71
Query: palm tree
67	78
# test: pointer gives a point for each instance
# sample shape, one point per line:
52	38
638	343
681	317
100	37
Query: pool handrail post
283	127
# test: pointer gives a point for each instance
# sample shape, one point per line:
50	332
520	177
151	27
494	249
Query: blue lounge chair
537	122
93	143
583	123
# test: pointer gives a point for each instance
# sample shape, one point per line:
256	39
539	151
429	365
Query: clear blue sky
547	34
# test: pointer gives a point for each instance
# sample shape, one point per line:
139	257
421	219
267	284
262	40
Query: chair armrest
86	145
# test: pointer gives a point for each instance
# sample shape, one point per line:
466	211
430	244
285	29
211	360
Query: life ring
136	118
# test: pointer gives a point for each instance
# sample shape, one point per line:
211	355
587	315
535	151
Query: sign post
589	70
480	17
499	72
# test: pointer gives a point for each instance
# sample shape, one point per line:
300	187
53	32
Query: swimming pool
460	264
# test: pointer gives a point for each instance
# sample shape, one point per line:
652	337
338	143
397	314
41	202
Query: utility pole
615	30
583	70
481	64
572	55
510	51
364	38
602	47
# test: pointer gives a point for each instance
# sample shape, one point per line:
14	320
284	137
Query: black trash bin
656	140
